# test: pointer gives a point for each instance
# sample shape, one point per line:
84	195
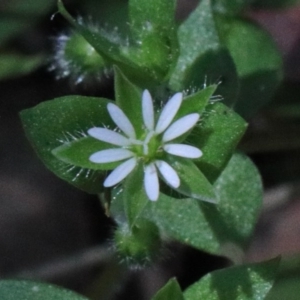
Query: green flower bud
140	246
77	59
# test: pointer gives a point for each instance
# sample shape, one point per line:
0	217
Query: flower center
147	148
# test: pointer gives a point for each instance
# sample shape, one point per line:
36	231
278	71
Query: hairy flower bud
140	246
76	59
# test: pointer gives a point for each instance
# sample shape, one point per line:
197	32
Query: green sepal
171	290
134	195
60	121
217	136
196	102
129	99
23	289
193	183
77	153
247	282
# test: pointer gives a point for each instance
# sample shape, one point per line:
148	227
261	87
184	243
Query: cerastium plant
167	136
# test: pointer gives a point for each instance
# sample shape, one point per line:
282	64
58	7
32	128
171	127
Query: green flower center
148	147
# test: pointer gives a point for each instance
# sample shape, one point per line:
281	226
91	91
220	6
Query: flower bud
77	59
140	246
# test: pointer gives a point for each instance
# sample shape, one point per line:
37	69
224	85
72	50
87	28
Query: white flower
148	148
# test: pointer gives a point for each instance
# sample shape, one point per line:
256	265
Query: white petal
121	120
110	155
180	127
148	111
120	172
168	173
151	183
109	136
183	150
168	113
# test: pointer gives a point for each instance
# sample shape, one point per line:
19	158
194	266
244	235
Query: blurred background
53	232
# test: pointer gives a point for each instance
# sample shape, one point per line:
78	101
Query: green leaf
158	14
285	288
217	136
240	191
248	282
129	99
258	63
153	25
193	183
22	289
208	226
77	153
16	65
59	122
202	56
169	291
134	196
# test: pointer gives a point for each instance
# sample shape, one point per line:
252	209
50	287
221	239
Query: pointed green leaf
77	153
22	289
59	122
202	55
207	226
129	99
248	282
193	183
240	192
134	196
169	291
217	137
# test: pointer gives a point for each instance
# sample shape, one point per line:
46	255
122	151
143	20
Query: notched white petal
168	113
151	183
148	111
180	127
108	136
120	172
183	150
168	173
110	155
121	120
